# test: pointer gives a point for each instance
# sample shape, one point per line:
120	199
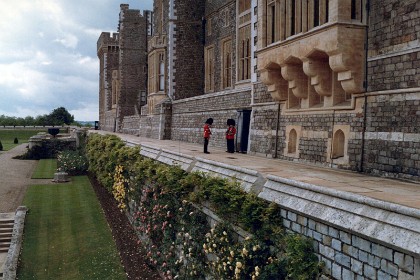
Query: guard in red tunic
230	136
207	133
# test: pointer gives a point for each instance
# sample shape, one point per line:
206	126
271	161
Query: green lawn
7	137
45	169
66	235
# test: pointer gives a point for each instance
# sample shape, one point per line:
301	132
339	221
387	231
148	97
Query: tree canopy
59	116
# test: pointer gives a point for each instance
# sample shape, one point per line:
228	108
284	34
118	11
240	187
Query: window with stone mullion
244	67
227	64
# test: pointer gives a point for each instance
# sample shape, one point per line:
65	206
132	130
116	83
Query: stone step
6	230
6	225
5	235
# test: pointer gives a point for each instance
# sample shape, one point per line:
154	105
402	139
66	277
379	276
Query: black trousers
230	145
206	144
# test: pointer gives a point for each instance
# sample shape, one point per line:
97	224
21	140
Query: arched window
338	144
291	147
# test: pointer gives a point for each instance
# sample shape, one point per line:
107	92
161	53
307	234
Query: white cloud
48	54
68	41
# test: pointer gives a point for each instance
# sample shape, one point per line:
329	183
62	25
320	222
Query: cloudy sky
48	54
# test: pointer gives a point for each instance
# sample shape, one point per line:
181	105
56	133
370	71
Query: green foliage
104	153
74	162
301	263
165	202
15	141
48	149
58	116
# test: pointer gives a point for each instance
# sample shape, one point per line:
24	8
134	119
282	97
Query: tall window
244	43
285	18
209	69
209	27
244	5
151	84
156	71
161	72
272	21
227	63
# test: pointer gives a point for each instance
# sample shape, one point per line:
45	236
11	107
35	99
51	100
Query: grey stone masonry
189	115
189	49
393	38
132	61
392	139
356	237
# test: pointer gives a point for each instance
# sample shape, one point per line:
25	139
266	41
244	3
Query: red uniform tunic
230	133
207	131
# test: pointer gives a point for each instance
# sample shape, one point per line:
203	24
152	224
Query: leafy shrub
168	207
35	153
72	162
104	153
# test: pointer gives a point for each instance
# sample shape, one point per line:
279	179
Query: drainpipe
361	167
332	140
277	130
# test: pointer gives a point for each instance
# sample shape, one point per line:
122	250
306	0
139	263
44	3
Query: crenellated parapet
107	41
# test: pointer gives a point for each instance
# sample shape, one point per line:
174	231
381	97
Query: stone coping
249	179
383	222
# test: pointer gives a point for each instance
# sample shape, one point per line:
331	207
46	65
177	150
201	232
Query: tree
60	116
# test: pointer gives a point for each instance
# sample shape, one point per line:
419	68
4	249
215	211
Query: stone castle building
334	83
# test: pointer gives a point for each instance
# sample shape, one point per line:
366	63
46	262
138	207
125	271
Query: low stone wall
131	125
63	129
355	236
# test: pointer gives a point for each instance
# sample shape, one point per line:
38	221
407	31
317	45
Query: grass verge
45	169
66	235
7	137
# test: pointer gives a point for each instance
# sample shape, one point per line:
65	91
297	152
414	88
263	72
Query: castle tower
133	35
108	54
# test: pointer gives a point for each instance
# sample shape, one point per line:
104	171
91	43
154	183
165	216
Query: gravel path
15	177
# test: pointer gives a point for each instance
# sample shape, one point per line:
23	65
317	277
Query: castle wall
379	123
393	39
392	145
385	141
392	136
131	125
108	54
189	115
188	50
221	15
